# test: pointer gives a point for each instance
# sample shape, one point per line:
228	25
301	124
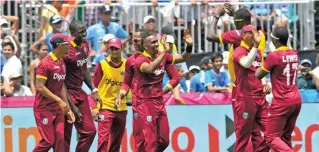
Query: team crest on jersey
101	117
122	72
245	115
45	121
149	118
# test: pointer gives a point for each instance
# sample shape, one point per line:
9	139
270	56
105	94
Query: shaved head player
286	104
77	73
50	104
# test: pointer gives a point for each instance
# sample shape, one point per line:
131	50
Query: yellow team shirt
231	68
47	13
110	85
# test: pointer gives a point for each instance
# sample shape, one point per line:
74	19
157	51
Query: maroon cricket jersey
231	37
149	85
283	67
246	82
129	72
76	65
54	72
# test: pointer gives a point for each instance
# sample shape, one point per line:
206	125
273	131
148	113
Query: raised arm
212	35
186	54
246	61
150	67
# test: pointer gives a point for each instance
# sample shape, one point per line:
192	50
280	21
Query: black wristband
189	49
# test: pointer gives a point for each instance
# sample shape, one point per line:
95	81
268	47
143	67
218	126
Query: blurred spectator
316	72
103	52
13	30
216	80
95	33
264	13
198	80
14	40
56	24
5	89
225	62
149	24
51	8
15	78
168	31
177	90
193	70
305	80
12	62
42	51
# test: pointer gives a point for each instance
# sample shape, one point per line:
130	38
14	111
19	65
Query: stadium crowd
211	75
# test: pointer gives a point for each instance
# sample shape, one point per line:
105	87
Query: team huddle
61	103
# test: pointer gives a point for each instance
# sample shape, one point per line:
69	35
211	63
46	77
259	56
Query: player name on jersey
290	58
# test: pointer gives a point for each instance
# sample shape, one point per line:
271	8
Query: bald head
281	34
74	25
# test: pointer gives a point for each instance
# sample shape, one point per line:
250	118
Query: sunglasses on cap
274	37
63	43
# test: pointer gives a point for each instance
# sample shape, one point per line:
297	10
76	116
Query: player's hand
187	37
267	89
117	102
63	106
70	115
164	42
97	98
95	115
229	9
220	10
257	38
77	114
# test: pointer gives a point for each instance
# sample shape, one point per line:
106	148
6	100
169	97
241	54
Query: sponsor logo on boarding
113	82
81	62
256	64
58	77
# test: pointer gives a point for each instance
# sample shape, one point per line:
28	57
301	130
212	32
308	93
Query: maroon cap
248	28
60	38
115	42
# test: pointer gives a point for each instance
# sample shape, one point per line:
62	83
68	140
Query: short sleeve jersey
54	72
76	65
149	85
246	83
283	67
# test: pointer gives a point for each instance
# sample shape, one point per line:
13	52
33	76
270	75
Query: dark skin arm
74	109
88	81
62	102
212	35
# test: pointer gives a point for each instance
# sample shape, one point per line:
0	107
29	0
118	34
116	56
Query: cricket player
250	105
242	17
76	73
150	119
282	65
108	78
51	104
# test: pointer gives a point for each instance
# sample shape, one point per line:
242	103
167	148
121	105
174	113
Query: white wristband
95	90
